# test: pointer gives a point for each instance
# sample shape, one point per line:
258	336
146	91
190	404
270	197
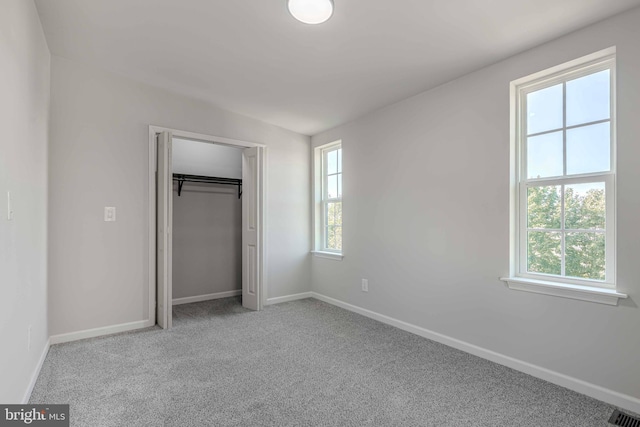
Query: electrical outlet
29	338
365	285
9	207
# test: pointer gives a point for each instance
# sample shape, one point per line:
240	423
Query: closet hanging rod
181	178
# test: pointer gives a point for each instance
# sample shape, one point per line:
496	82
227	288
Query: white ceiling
252	57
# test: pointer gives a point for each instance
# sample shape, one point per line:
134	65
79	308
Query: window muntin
566	176
331	234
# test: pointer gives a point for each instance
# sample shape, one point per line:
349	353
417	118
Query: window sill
328	255
565	290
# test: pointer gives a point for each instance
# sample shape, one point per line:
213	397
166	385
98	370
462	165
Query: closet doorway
165	184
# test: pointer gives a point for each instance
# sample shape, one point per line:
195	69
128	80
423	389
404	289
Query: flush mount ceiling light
311	11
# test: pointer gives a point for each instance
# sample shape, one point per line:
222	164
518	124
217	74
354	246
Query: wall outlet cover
9	207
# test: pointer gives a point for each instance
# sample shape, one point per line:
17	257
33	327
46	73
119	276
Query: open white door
251	224
164	295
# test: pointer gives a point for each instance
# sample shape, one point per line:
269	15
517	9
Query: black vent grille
621	419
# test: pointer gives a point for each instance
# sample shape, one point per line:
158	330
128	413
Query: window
564	207
328	190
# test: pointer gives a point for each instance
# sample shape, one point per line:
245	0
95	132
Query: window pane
332	186
332	161
585	255
588	98
331	237
584	206
544	252
589	149
334	237
544	207
340	160
334	213
339	185
544	155
544	109
328	214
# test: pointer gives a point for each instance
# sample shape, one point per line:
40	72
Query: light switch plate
109	213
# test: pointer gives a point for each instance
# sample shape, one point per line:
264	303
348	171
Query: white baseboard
97	332
36	373
199	298
287	298
611	397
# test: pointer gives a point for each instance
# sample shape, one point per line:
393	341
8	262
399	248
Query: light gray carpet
303	363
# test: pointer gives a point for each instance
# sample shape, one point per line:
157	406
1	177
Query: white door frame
151	198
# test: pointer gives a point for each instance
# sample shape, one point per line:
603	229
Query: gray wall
426	215
99	157
201	158
24	120
207	221
207	240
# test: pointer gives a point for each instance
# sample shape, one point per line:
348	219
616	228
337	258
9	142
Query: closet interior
207	223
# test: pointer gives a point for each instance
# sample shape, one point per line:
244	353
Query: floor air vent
620	419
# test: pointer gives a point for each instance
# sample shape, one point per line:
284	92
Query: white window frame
321	200
560	285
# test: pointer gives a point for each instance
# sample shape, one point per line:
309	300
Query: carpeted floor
302	363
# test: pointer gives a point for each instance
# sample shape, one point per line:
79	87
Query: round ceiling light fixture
311	11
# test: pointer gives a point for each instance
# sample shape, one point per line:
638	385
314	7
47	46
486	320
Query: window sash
524	183
609	231
326	200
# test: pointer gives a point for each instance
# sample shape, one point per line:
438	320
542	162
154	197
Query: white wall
207	239
24	120
201	158
99	157
426	219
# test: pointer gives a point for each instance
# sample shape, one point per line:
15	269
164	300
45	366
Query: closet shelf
206	180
